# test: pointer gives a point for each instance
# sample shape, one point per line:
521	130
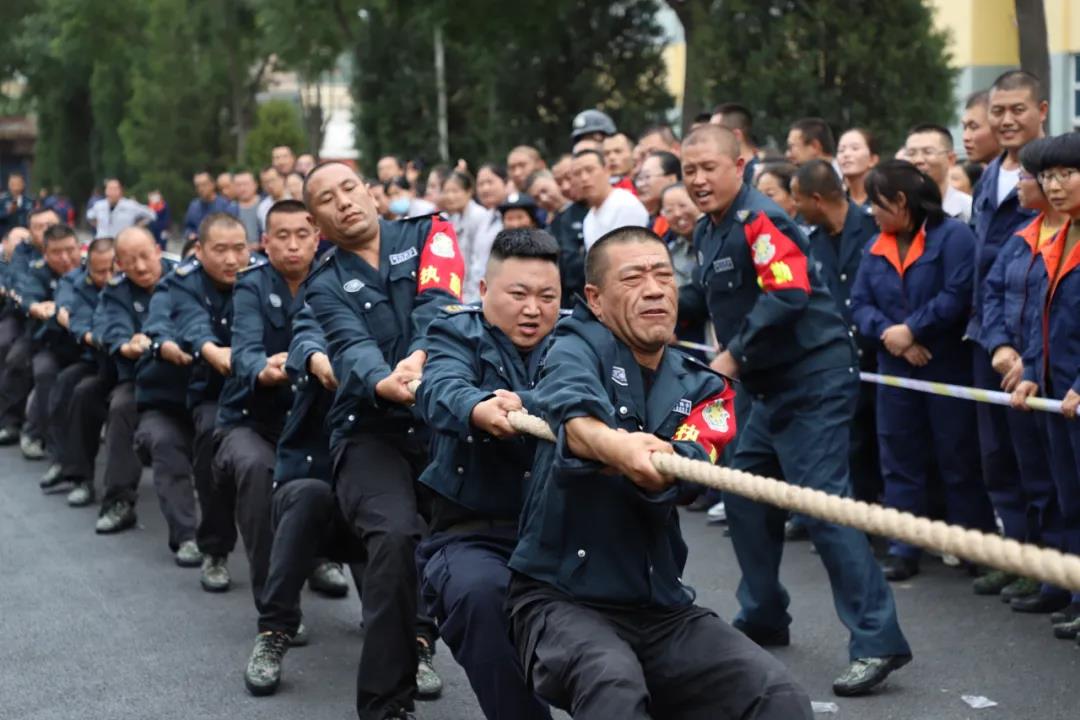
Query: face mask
399	205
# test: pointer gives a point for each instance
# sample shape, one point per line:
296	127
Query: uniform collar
886	247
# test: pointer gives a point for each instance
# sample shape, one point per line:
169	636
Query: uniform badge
763	248
742	215
700	258
442	245
139	307
715	416
275	299
398	258
579	121
52	284
353	285
683	407
618	376
723	264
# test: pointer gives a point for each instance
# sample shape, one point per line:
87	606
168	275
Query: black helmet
521	201
588	122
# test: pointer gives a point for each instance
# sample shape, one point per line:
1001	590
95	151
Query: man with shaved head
785	340
374	298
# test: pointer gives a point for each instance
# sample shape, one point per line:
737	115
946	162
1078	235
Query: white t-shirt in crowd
619	210
1007	180
957	204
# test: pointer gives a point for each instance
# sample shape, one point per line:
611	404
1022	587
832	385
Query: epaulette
455	309
259	264
565	312
428	216
184	269
38	264
742	215
116	279
171	256
699	364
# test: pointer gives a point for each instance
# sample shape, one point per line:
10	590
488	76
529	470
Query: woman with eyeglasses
1052	363
1010	302
913	293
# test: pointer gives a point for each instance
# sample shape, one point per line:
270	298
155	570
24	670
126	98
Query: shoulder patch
185	269
354	285
38	264
742	215
255	265
565	312
455	309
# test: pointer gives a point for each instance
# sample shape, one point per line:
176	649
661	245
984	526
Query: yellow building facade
983	43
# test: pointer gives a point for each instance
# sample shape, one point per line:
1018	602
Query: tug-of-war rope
1044	564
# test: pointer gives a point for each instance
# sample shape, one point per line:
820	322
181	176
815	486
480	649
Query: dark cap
520	201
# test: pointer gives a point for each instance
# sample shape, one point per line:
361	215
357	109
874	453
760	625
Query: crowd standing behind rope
268	377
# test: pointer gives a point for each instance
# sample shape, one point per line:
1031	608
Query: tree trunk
440	89
694	16
1034	45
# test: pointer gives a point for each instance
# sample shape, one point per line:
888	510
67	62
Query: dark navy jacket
932	296
263	311
993	225
837	259
201	313
468	360
303	450
1052	356
1011	292
40	284
82	298
598	537
374	318
769	309
122	312
158	383
567	227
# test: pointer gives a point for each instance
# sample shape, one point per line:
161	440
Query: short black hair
322	164
736	117
891	178
528	243
818	177
287	206
396	158
41	211
59	231
872	143
217	219
815	128
979	97
100	245
596	259
1031	156
188	246
589	151
669	164
401	182
933	128
672	186
535	175
664	131
702	118
783	171
1020	80
462	178
974	171
1062	151
496	168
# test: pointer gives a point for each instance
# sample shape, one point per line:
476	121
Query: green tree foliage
881	65
277	122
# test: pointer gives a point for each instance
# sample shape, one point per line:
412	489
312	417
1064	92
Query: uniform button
623	410
352	418
528	474
650	569
501	369
860	352
854	329
224	321
843	277
244	411
745	359
288	413
848	302
460	470
308	458
851	371
413	273
730	284
367	306
581	553
761	397
411	431
293	388
468	438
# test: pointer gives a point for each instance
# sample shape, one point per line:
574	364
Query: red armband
441	264
710	424
779	262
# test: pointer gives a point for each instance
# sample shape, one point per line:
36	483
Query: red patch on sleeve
779	262
441	264
710	424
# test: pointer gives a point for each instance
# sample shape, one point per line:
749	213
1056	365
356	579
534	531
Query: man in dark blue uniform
52	346
16	378
374	298
1017	114
785	340
603	624
842	232
76	301
482	363
202	313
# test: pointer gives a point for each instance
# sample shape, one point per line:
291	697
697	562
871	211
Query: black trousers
16	382
70	406
243	472
45	369
122	466
307	523
636	664
163	441
216	532
375	479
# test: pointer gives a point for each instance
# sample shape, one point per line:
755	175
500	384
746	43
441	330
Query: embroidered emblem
275	300
352	286
618	376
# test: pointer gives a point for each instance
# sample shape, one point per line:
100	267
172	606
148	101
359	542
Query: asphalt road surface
109	628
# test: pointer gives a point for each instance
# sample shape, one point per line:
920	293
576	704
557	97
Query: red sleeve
778	260
441	264
710	424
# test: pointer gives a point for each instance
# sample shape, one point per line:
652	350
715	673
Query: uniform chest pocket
725	281
275	316
379	317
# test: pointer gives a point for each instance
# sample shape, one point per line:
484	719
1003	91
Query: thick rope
1050	566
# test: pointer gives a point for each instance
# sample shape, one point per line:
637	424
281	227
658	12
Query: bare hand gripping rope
1049	566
